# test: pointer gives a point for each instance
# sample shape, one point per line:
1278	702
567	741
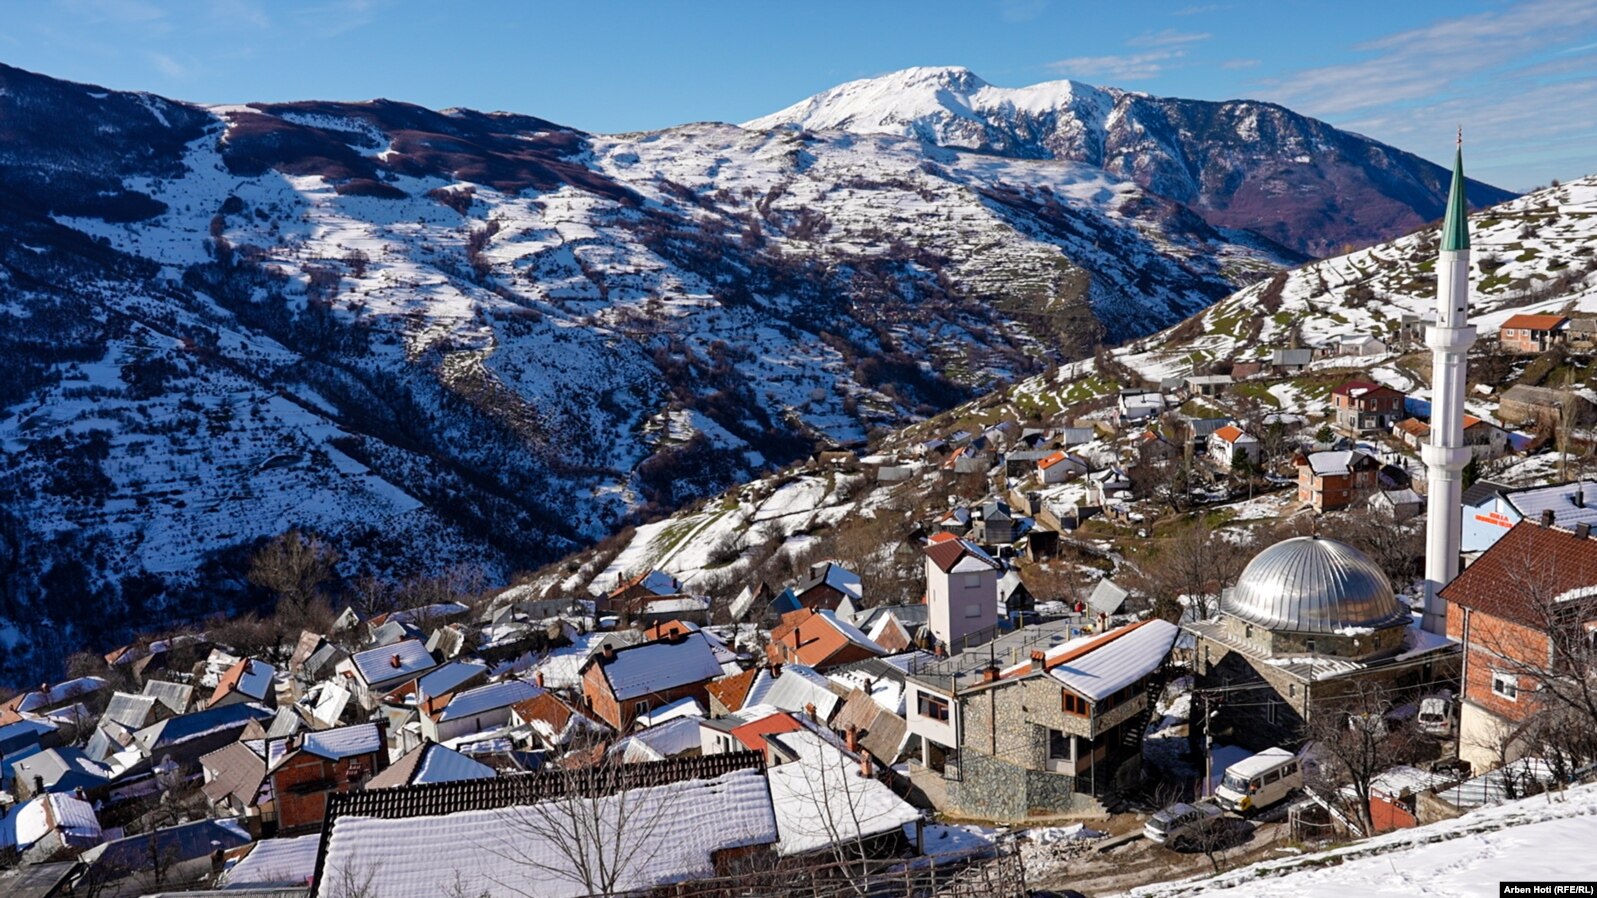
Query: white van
1259	781
1180	820
1436	715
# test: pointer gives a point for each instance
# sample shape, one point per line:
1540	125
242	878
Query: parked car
1436	717
1260	781
1180	821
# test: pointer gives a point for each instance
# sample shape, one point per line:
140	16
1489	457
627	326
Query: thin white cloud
168	66
1505	74
1168	37
1239	63
1013	11
240	13
1117	67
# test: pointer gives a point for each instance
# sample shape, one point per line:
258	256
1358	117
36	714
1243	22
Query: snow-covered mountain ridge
1239	164
455	337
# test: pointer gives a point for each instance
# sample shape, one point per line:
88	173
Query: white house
961	589
1225	443
1139	405
1060	466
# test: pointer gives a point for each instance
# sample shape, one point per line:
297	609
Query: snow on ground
1546	838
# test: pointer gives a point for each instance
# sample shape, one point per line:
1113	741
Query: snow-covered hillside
1240	164
1541	839
1541	251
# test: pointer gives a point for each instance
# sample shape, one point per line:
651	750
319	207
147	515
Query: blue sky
1520	77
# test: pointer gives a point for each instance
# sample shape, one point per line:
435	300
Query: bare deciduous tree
1355	742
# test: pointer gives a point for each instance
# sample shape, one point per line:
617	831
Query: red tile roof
731	691
1229	433
1535	322
949	552
1525	571
753	734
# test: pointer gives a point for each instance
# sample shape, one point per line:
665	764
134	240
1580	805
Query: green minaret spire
1455	227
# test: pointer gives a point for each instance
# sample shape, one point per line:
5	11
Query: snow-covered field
1546	838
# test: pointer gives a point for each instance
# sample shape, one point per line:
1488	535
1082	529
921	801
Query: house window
1074	704
932	706
972	581
1505	686
1308	646
1058	746
640	708
1249	632
973	610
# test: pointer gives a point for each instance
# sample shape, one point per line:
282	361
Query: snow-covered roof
682	707
822	798
447	677
72	817
1120	662
656	666
796	687
1333	461
663	740
344	742
488	698
276	862
674	834
1570	503
390	662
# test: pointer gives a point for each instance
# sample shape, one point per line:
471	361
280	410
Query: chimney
809	709
1547	517
774	668
851	738
608	653
865	764
537	678
989	674
393	661
1582	530
1580	495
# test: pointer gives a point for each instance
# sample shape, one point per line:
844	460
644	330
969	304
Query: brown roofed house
1532	334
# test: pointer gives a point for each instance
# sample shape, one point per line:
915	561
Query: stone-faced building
1048	734
1308	620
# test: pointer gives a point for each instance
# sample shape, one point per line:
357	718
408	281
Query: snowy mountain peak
1240	164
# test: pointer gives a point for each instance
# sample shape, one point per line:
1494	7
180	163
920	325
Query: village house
1307	621
557	724
1246	370
1064	725
1541	408
1507	610
1138	405
1228	441
647	585
1334	479
961	591
828	585
1399	504
460	714
234	782
373	673
1290	361
247	681
1360	345
1581	334
621	684
319	763
184	738
1531	334
1491	509
932	687
1485	440
993	523
1057	467
819	639
1364	407
1207	384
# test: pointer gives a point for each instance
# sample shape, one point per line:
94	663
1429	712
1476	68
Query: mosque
1312	618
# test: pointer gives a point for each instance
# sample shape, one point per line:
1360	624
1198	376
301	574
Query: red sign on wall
1496	519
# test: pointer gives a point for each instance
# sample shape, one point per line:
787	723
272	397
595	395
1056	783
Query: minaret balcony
1450	339
1446	458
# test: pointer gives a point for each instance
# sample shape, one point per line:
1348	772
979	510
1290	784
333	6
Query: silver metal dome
1313	585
